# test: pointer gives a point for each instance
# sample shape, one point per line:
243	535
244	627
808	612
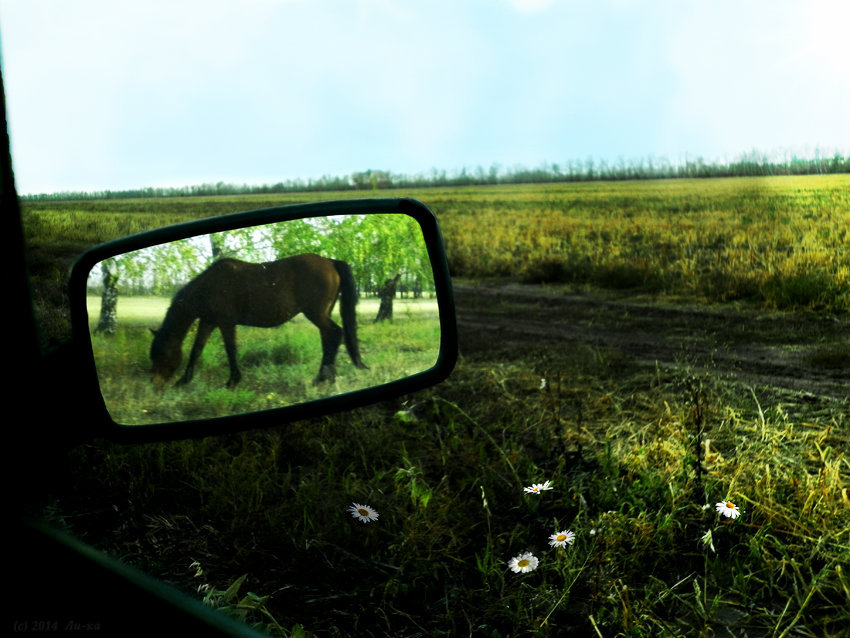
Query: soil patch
806	354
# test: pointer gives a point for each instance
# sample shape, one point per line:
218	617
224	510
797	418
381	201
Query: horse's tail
347	308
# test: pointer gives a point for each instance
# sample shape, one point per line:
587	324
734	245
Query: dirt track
805	354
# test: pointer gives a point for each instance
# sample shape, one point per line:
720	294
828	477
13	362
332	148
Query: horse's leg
204	331
331	338
228	333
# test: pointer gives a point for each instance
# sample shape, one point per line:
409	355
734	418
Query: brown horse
232	292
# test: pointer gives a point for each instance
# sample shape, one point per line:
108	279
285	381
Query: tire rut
779	350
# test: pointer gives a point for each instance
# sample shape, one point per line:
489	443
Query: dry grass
781	242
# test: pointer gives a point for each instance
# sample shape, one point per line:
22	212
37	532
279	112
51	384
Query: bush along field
551	491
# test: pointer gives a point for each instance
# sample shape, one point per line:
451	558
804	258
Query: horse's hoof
327	374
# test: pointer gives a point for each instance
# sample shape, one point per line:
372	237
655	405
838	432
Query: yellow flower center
523	563
561	537
730	505
363	512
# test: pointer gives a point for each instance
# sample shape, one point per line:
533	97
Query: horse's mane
179	316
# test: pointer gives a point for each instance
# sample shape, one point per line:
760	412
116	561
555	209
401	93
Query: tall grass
636	464
780	243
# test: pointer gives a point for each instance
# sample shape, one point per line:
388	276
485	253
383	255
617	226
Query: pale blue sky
103	94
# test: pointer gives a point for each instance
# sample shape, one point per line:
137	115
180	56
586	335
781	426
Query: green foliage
376	246
251	608
412	479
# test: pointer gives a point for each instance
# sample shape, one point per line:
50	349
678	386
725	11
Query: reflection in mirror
262	317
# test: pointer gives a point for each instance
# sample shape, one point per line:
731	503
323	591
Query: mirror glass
262	317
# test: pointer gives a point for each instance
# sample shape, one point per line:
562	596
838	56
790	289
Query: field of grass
257	524
781	243
278	364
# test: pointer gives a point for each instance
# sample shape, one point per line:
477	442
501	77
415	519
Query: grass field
257	525
779	242
278	364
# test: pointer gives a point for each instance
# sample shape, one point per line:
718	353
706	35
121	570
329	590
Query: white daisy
363	513
525	562
561	539
728	509
538	487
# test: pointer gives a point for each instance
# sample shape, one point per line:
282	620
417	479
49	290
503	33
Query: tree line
753	164
379	248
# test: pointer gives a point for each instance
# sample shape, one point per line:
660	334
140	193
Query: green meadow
257	524
780	242
278	364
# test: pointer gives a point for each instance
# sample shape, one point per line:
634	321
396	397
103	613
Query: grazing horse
232	292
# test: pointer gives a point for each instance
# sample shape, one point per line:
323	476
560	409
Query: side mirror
262	317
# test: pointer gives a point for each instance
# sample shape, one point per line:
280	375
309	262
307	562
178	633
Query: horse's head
165	358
